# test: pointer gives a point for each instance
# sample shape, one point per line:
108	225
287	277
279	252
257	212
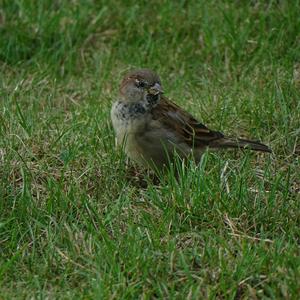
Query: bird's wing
192	132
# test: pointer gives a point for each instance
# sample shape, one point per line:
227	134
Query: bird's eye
140	84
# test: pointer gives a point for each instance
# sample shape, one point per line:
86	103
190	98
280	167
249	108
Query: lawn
76	223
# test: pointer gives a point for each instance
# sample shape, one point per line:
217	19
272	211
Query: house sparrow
153	129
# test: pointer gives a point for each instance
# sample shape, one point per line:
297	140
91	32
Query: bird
153	130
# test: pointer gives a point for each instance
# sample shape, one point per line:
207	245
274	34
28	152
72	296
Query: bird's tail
240	143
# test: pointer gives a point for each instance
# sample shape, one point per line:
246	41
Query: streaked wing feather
176	119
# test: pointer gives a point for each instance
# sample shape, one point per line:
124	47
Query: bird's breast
128	119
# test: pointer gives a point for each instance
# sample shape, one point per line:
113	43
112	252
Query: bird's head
141	85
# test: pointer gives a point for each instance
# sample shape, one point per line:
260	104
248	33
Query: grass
75	225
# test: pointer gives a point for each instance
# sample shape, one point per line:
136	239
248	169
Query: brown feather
184	124
194	133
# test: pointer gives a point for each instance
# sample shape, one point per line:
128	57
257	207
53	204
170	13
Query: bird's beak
155	89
